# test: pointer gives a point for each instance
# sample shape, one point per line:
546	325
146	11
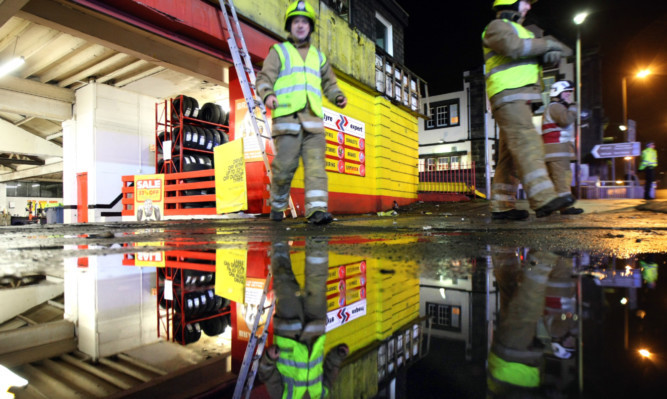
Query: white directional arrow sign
616	150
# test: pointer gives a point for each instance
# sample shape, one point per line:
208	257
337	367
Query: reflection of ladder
246	377
246	75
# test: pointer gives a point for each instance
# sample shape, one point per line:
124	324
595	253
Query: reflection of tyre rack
193	133
194	307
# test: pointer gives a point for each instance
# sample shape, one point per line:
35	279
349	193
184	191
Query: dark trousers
649	174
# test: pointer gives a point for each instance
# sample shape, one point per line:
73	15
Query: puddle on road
433	314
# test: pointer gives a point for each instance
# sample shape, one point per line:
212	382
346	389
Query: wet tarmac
435	301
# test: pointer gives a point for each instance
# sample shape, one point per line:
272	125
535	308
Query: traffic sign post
617	150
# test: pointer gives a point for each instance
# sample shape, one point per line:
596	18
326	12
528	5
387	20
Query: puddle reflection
351	321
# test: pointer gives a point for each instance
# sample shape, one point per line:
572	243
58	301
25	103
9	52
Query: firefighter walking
558	137
513	59
292	81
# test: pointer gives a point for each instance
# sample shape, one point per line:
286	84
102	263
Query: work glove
554	45
551	58
341	101
271	101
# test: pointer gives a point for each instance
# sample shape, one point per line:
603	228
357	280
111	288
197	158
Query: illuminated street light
578	20
622	128
643	73
624	87
645	353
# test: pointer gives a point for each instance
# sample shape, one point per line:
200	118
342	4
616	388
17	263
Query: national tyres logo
341	138
342	122
341	152
343	315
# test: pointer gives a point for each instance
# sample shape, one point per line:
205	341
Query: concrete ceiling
38	97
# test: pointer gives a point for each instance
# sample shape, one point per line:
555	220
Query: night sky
444	40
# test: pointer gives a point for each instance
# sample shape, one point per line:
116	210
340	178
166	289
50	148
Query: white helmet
559	87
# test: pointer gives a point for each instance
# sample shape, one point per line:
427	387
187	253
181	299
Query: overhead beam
14	161
32	105
30	173
9	8
38	89
111	33
18	141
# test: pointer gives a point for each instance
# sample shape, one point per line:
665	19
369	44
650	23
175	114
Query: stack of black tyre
201	309
194	133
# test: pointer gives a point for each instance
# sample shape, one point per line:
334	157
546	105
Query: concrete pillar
108	137
4	205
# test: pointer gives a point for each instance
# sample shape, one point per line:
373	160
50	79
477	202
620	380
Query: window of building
443	163
443	114
34	189
445	317
422	162
455	162
384	34
430	164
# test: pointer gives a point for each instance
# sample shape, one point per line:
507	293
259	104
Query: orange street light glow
645	353
643	73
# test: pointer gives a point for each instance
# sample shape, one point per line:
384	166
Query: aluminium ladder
247	79
246	378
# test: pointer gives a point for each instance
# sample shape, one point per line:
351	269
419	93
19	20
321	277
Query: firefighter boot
554	205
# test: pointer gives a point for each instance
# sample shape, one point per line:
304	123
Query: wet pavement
435	301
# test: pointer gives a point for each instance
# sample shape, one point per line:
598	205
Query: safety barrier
460	180
177	201
612	189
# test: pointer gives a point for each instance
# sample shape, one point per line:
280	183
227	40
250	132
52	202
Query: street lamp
624	94
624	90
578	20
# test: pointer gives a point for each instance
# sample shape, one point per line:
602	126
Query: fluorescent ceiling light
11	65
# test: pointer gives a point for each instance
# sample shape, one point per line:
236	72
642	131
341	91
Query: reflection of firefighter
149	212
514	360
649	271
295	365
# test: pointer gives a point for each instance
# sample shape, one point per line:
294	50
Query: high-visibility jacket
301	371
649	158
649	271
558	141
504	72
513	373
299	83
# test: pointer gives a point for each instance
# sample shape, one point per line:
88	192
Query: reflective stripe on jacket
504	72
301	372
649	158
299	83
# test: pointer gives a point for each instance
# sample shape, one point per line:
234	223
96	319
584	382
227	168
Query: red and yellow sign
346	144
148	197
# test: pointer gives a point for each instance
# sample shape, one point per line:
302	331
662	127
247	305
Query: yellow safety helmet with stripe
300	8
498	3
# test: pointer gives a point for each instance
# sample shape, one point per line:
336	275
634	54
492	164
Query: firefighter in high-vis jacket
513	59
649	161
558	135
296	366
292	81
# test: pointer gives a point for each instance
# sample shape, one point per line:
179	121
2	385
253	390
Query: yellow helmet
300	8
498	3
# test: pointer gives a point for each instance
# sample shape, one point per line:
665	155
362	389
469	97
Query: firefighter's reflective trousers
289	148
561	176
520	154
